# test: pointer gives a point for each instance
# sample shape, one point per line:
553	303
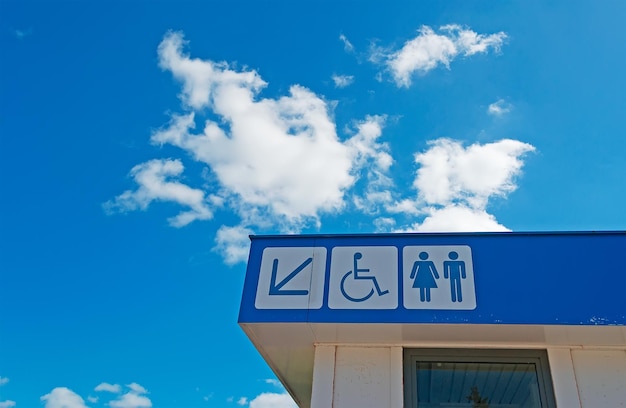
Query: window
472	378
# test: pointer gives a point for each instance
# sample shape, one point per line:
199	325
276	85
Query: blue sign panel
481	278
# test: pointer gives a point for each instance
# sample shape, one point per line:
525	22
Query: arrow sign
291	278
277	289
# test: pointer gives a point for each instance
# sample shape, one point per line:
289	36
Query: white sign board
438	277
363	278
367	277
291	278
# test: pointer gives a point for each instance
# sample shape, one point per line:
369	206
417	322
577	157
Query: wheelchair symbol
356	271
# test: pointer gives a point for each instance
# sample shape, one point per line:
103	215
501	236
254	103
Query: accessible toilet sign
447	278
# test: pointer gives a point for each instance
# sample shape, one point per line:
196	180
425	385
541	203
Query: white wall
371	377
601	377
364	377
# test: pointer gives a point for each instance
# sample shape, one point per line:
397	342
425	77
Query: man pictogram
455	271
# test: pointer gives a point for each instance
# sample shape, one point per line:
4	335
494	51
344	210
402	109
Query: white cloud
451	173
7	404
242	401
133	398
203	80
91	399
347	45
470	42
62	397
115	388
273	400
454	184
4	380
156	180
430	49
271	152
233	243
457	218
499	108
136	388
267	155
384	224
366	147
375	158
422	54
342	81
273	382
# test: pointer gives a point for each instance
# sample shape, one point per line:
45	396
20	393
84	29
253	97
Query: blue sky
141	142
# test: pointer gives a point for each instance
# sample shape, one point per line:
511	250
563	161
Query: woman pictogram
424	273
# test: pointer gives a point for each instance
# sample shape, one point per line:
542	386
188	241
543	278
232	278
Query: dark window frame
538	357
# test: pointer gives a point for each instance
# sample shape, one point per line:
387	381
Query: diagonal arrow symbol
276	289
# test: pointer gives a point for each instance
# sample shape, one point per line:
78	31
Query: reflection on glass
444	384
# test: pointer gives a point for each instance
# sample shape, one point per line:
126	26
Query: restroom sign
367	278
435	278
438	277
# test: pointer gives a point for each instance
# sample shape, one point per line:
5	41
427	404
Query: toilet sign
366	277
439	278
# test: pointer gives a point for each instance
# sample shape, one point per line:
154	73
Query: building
497	320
